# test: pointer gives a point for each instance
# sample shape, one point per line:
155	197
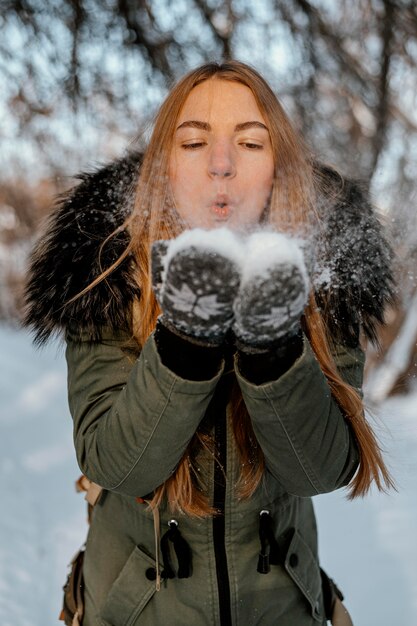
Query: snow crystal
222	241
254	255
322	277
266	249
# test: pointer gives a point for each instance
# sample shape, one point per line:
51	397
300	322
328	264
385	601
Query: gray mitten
195	278
273	290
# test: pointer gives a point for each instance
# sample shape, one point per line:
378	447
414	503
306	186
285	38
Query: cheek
259	182
176	179
182	177
185	191
259	171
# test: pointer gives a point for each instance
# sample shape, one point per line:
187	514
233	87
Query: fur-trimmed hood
352	278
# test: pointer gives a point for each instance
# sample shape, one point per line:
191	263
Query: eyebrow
207	127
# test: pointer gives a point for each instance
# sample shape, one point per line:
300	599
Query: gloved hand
195	278
273	290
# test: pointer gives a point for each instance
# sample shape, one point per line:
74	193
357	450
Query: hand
273	290
195	278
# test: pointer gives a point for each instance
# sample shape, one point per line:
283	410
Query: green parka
134	417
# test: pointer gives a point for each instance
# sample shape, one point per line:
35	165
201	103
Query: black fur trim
67	257
353	281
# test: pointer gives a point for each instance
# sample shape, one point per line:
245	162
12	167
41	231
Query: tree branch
382	110
224	38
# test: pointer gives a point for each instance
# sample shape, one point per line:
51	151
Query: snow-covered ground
369	546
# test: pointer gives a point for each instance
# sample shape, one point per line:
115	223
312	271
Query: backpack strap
333	598
93	492
340	616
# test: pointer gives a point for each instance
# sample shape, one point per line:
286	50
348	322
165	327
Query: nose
221	160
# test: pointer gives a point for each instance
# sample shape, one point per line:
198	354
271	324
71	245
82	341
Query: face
221	164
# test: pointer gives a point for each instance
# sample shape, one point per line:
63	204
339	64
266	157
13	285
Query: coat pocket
303	568
131	591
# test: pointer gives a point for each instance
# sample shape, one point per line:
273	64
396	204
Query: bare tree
344	70
102	64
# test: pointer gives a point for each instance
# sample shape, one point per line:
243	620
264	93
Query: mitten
195	278
273	291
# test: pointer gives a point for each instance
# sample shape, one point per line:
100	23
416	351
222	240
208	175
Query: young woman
214	392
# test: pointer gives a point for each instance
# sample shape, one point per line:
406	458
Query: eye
251	146
193	145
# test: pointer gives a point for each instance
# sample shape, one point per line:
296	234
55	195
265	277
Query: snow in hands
209	281
196	278
273	290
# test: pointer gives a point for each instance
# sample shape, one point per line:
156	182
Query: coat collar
352	279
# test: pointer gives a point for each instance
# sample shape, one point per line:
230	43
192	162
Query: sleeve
133	417
308	444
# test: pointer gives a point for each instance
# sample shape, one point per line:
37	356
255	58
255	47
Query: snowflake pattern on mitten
198	287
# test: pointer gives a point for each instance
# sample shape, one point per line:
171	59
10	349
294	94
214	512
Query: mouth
221	208
221	211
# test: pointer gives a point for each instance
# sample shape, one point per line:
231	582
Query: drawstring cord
181	547
182	552
157	535
168	570
269	553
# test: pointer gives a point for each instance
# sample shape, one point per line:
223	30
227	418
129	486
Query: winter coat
134	417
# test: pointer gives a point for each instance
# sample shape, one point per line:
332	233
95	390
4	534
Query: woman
215	394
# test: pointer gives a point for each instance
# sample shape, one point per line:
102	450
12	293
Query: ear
158	253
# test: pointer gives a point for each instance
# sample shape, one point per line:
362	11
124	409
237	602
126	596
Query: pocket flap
303	568
131	590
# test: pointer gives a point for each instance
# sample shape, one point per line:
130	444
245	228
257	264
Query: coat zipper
219	498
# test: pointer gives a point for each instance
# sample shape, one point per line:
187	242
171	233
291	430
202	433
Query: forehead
217	100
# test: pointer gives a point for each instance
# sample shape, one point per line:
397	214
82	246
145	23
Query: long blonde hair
292	208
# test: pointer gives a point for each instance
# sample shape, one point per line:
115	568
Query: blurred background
79	83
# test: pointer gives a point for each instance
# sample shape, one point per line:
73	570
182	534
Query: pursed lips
221	207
